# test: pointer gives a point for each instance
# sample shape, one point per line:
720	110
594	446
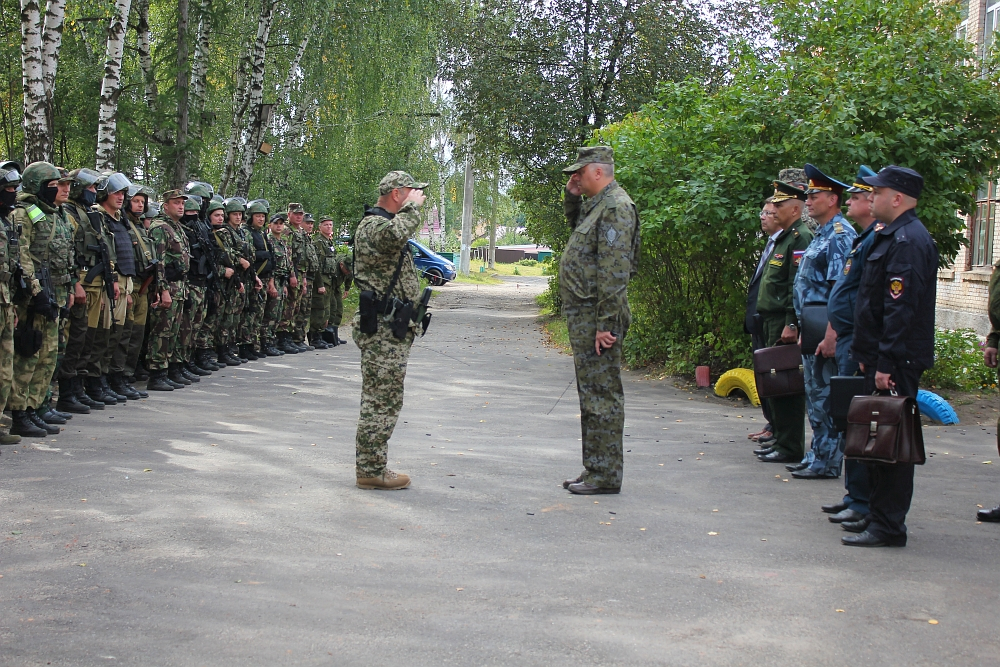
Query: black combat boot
238	354
204	360
304	345
188	373
67	398
120	398
47	408
81	395
175	375
197	370
223	354
48	415
51	429
336	334
316	340
23	425
158	382
95	390
328	337
251	353
118	385
286	345
141	373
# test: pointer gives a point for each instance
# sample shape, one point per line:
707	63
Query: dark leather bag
843	389
814	321
884	429
778	371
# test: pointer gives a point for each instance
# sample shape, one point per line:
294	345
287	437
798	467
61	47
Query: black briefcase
843	389
814	321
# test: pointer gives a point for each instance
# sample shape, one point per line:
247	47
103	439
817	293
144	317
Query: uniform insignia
847	266
797	256
896	287
838	228
611	235
777	256
775	262
879	226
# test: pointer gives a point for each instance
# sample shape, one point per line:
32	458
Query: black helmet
110	183
9	176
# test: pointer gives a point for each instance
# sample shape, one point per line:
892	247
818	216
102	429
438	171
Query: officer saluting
894	332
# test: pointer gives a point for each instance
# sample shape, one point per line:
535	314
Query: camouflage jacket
283	256
46	240
10	258
822	262
326	253
145	251
601	256
86	239
172	248
304	254
345	266
380	240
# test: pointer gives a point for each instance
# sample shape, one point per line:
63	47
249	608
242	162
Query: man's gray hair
608	169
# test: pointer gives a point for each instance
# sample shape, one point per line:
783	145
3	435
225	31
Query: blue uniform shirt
840	308
822	263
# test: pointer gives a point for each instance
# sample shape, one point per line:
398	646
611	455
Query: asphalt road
219	525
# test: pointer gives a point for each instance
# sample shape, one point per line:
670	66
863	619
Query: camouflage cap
172	194
295	207
398	179
324	218
590	154
795	176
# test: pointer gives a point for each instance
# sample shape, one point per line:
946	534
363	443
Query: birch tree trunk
143	40
199	67
52	30
107	120
37	139
183	85
256	98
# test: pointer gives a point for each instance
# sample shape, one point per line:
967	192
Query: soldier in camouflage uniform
46	249
280	277
137	206
303	258
243	286
10	269
821	265
303	311
601	256
341	286
171	243
990	355
219	319
262	266
384	266
324	282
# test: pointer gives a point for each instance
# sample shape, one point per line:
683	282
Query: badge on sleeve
847	266
896	287
611	235
797	256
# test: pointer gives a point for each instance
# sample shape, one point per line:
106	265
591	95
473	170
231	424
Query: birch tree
41	37
107	127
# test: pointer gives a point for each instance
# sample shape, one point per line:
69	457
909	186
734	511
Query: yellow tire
738	379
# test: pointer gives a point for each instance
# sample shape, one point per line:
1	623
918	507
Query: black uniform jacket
894	311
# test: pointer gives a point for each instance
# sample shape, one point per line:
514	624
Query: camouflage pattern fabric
275	307
172	248
344	279
140	320
600	257
164	332
379	243
195	312
33	375
253	316
7	315
325	277
279	310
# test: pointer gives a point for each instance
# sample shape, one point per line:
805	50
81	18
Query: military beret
900	179
398	179
820	182
859	184
590	154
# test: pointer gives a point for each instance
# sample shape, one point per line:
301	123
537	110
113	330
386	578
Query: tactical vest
51	242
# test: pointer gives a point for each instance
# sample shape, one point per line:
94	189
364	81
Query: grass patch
477	278
554	327
508	269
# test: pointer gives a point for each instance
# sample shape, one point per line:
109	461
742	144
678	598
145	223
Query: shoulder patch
611	235
847	266
797	256
896	286
34	213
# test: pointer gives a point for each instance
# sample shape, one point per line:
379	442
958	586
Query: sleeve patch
896	286
611	235
847	266
797	256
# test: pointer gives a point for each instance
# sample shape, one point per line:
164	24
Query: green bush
527	262
958	363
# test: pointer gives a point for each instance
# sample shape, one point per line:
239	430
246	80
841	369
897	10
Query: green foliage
958	363
527	262
699	161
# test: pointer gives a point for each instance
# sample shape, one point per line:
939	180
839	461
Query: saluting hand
573	186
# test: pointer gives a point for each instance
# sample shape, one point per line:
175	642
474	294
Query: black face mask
88	198
8	198
48	195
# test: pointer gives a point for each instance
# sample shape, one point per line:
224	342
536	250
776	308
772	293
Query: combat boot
175	375
67	398
316	340
141	373
272	351
336	334
304	345
197	370
186	372
82	396
96	392
51	416
140	392
251	353
22	425
387	481
120	398
51	429
224	358
208	361
118	385
158	382
286	345
8	439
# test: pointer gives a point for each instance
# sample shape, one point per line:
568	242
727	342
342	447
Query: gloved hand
42	305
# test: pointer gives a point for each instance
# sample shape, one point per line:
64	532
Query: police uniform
600	258
777	310
821	265
385	271
840	309
894	334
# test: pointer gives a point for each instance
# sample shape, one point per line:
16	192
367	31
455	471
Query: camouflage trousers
303	313
33	375
826	451
7	314
226	320
273	311
320	311
164	331
253	316
292	306
204	338
140	318
383	369
602	399
195	311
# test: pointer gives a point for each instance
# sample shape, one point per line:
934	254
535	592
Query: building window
981	227
963	27
992	25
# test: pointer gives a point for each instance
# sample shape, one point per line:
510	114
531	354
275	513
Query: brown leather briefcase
884	429
778	371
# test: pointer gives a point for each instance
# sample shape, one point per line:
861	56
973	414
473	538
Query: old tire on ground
738	379
935	407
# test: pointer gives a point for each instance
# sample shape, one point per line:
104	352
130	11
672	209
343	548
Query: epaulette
838	228
900	235
795	232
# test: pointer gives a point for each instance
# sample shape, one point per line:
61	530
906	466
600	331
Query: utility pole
467	197
493	219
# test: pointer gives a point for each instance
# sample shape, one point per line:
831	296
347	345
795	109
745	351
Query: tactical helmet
258	206
192	203
216	205
37	175
9	176
83	178
218	197
12	164
110	183
138	189
200	188
235	204
152	210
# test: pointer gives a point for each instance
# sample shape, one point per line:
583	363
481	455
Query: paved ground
219	525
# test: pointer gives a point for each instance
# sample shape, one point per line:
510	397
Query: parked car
431	265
